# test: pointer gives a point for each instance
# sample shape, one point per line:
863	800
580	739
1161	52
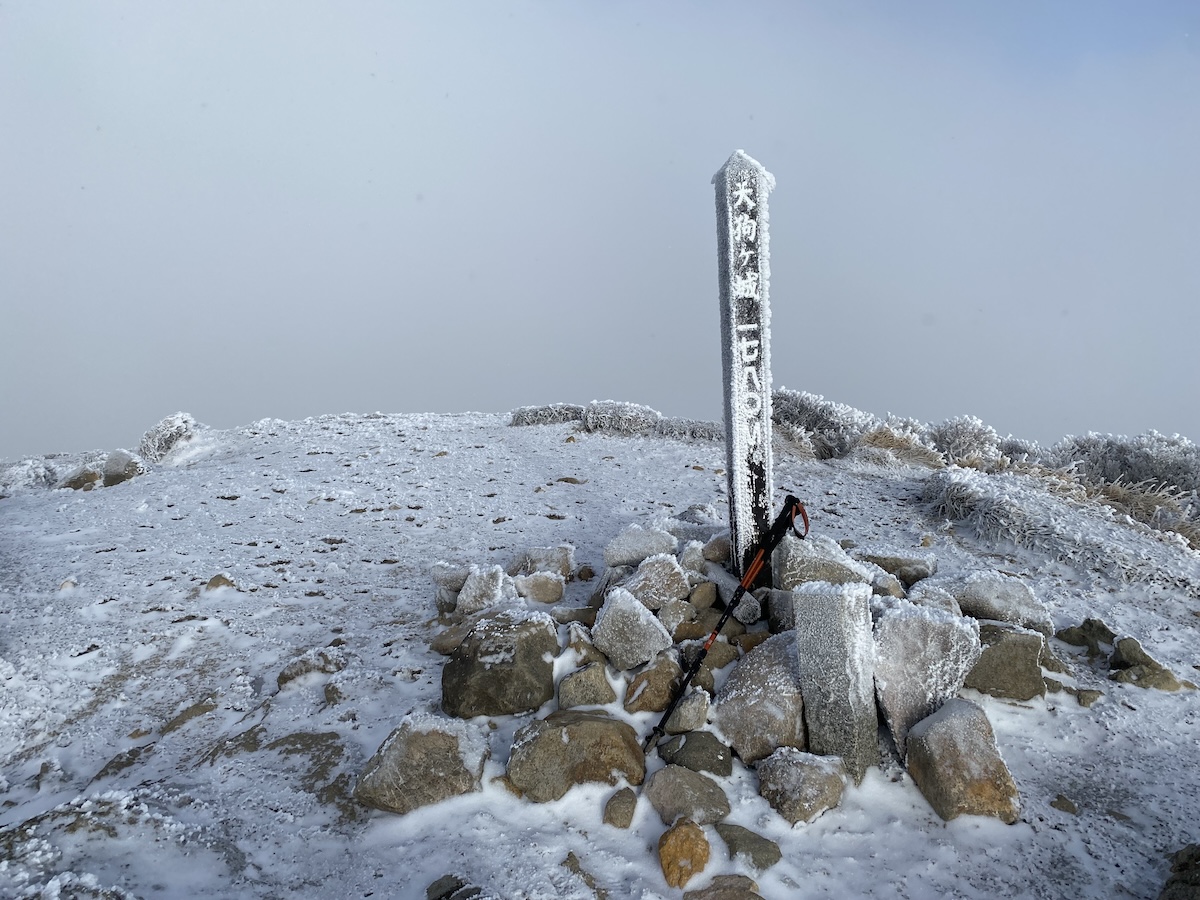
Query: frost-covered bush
966	440
553	414
690	429
1150	458
833	428
28	474
902	445
1019	450
166	435
620	418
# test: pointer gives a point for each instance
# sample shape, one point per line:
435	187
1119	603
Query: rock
719	655
885	584
658	579
636	543
781	616
676	792
700	751
121	465
325	660
613	577
691	558
674	613
219	581
451	887
923	656
683	853
651	689
703	595
756	849
425	760
558	560
619	809
569	747
579	640
445	601
835	650
925	594
1184	880
991	595
627	632
565	615
1086	697
485	588
1065	804
84	478
953	758
1135	666
800	786
1091	633
504	666
717	549
817	558
541	587
586	687
691	714
751	639
908	569
449	576
1009	665
726	887
761	706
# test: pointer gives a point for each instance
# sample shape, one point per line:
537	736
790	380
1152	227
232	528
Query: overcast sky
249	210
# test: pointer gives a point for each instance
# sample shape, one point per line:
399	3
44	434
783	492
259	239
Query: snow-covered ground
148	750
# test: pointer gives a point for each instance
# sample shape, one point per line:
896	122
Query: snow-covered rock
676	792
425	760
504	666
570	747
953	758
659	579
760	707
800	786
1010	664
992	595
923	656
627	632
484	588
816	558
636	543
836	655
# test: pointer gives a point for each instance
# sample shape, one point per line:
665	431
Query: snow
97	791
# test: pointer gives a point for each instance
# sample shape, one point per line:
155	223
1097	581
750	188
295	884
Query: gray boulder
485	588
1133	665
691	714
636	543
569	747
760	852
800	786
1010	664
1184	880
908	568
954	760
676	792
619	809
121	465
659	579
425	760
816	558
586	687
700	751
835	650
627	632
761	706
559	560
651	689
504	666
992	595
541	587
923	656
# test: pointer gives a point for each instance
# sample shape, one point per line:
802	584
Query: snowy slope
148	750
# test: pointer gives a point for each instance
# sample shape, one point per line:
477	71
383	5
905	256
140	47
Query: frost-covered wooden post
743	264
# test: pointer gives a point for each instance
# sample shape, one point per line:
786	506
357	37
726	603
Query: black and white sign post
744	270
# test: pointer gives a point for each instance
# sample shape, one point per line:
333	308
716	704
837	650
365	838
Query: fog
284	210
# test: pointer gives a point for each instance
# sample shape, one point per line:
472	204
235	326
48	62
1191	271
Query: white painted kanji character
747	256
743	193
745	287
745	227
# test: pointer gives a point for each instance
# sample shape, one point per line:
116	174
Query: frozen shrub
166	435
1019	450
833	428
1150	458
902	444
554	414
966	440
690	429
27	474
620	418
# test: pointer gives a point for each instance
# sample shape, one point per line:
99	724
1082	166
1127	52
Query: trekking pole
766	546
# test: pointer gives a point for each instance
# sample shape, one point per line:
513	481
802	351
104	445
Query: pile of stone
853	655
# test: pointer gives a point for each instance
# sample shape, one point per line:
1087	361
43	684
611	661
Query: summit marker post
743	269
